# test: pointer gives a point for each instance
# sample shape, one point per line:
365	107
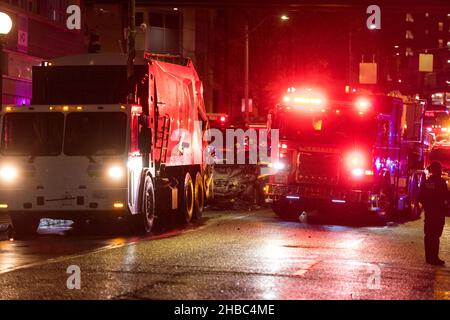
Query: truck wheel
187	200
385	204
24	225
285	211
144	220
199	192
277	209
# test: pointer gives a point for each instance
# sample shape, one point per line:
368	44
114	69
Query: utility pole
131	47
246	74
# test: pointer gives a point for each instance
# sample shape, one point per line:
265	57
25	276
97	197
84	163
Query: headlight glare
8	173
115	172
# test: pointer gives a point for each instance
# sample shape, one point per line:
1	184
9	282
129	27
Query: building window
409	34
164	35
409	52
139	19
440	26
409	17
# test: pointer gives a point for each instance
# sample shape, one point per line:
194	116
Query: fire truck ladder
162	141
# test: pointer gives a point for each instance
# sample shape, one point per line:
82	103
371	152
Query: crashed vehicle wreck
238	179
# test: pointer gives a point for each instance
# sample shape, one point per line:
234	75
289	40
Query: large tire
25	225
186	212
144	221
285	211
386	201
199	201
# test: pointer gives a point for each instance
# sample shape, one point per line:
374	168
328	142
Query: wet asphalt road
229	255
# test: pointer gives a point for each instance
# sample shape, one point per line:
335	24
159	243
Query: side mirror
145	140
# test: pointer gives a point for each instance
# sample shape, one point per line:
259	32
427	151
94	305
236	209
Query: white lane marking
301	272
351	244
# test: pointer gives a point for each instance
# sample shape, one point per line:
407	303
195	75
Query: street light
5	28
283	17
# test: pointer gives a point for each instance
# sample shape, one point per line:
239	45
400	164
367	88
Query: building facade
421	32
39	32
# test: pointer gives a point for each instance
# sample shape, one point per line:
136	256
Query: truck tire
199	202
186	211
144	221
285	211
24	225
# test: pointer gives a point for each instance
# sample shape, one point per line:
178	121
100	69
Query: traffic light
94	42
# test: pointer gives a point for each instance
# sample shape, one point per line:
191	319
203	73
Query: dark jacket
433	196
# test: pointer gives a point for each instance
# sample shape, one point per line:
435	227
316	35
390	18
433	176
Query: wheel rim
384	204
199	196
189	202
149	208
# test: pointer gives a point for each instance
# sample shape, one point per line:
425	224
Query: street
229	255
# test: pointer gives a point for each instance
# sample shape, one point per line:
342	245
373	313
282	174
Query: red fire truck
352	151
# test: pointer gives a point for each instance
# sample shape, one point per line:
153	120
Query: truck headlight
115	172
8	173
279	166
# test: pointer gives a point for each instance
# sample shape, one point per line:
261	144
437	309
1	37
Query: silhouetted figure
433	196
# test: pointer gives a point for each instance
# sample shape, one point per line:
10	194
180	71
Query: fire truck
94	144
363	153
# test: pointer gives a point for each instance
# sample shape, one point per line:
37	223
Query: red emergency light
357	164
363	105
306	98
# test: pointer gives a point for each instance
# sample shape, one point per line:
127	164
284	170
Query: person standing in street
433	196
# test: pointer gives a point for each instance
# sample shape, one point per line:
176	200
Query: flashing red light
357	172
223	119
356	162
305	98
283	146
362	105
287	99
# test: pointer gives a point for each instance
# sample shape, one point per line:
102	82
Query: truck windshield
95	134
328	129
34	134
